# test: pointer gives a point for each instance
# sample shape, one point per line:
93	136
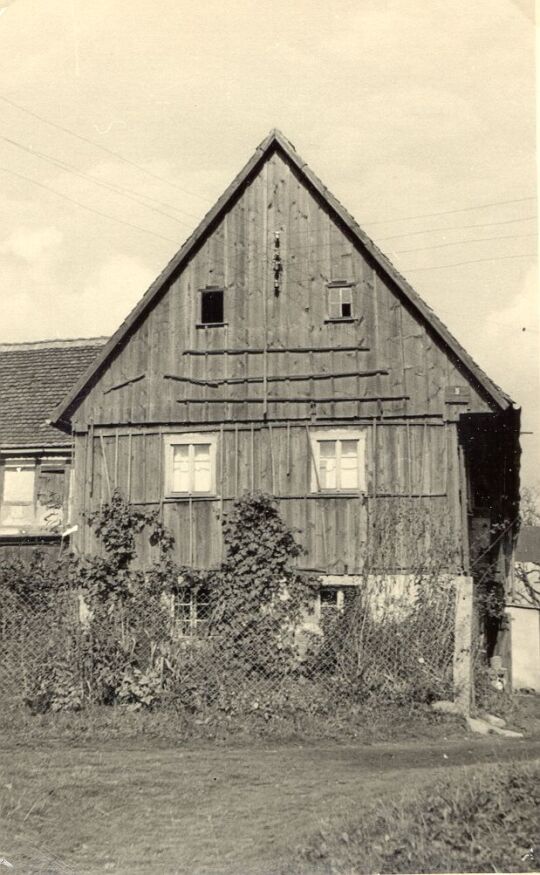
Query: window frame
340	286
202	292
17	465
189	439
190	624
338	435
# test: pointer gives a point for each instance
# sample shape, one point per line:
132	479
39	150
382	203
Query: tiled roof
34	377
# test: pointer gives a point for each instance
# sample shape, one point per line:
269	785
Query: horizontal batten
274	379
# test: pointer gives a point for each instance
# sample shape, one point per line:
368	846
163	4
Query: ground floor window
339	461
191	612
190	465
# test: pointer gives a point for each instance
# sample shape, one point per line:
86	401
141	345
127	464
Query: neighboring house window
191	611
190	465
18	503
340	302
212	307
338	459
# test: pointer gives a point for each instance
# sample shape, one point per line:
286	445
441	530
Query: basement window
331	600
338	461
340	302
190	465
191	612
334	600
212	307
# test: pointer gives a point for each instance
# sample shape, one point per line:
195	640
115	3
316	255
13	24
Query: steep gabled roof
33	378
276	141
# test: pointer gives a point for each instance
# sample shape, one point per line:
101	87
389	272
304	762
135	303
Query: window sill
348	319
211	324
174	499
334	493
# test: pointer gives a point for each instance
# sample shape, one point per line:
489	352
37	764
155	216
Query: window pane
18	515
327	449
180	473
19	485
334	303
349	465
327	464
202	479
349	448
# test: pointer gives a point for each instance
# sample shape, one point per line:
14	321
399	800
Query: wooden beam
260	351
299	400
274	379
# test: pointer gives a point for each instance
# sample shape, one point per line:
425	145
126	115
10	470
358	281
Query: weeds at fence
251	639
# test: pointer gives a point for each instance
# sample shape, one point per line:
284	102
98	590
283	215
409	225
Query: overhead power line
517	200
84	206
459	227
463	242
99	146
55	162
473	261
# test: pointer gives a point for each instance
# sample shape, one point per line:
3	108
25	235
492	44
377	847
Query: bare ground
132	807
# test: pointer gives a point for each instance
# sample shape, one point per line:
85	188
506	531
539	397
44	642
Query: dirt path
208	809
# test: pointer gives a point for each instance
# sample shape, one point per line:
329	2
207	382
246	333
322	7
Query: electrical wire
473	261
450	212
84	206
99	146
55	162
459	227
463	242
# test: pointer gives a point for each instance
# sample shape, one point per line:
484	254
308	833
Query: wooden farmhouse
280	351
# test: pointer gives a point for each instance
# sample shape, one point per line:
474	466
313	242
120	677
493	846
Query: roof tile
34	377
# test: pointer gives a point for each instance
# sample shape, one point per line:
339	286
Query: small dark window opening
346	309
212	307
329	598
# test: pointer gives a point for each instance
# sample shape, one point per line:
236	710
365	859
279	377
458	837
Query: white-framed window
190	464
340	303
191	612
338	460
17	507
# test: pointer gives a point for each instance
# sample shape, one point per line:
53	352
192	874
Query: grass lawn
141	807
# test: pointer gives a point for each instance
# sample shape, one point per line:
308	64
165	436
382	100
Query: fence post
463	643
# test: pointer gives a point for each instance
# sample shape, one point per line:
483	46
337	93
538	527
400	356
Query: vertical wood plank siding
276	459
172	375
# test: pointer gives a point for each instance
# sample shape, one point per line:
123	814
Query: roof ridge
57	343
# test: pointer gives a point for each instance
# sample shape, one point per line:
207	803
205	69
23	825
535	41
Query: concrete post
463	643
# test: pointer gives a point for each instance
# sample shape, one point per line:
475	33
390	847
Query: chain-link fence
385	638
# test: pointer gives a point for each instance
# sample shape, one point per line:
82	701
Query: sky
419	115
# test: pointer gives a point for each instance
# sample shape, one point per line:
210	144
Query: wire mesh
387	638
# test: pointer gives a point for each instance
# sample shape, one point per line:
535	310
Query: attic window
340	302
212	309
